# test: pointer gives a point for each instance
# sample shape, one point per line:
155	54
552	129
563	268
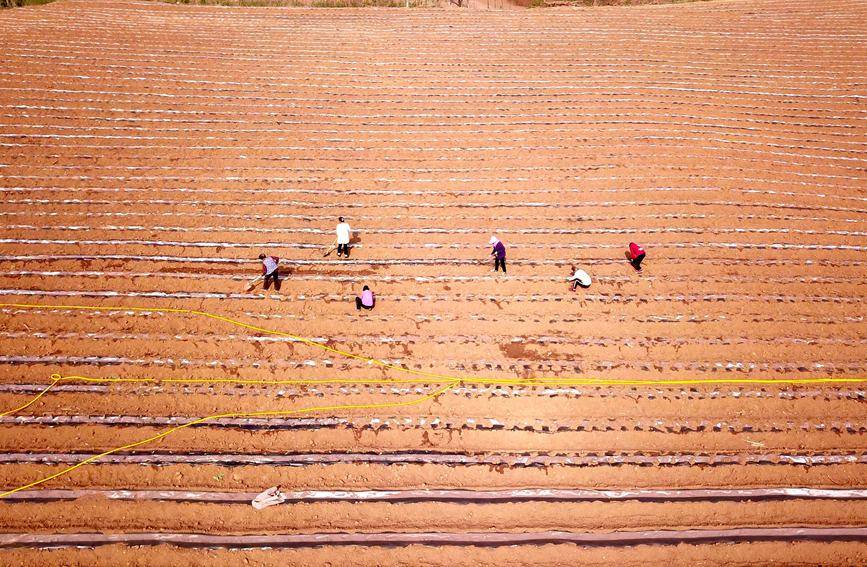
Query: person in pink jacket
366	300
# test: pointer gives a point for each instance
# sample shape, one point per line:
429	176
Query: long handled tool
254	282
330	249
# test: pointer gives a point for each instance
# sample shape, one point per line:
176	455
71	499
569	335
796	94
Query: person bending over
636	255
579	278
498	251
270	271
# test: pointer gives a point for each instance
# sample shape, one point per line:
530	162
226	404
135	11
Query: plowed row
149	153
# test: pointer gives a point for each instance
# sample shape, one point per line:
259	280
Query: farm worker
270	271
343	232
498	251
580	277
635	255
366	299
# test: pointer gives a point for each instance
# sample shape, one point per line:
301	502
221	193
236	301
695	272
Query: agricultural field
708	409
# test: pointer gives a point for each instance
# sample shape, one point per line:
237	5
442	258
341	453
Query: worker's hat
582	277
494	240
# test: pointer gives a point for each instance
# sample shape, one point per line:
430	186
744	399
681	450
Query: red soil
149	152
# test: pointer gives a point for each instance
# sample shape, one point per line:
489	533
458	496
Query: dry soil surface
150	152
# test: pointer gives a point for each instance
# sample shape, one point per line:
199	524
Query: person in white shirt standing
343	233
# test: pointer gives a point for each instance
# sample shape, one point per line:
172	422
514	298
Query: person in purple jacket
499	253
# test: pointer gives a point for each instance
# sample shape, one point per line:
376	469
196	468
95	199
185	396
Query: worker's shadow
629	259
284	272
278	283
353	240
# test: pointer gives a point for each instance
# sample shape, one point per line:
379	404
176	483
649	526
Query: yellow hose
427	378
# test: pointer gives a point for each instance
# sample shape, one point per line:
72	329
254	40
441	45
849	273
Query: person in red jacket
270	271
636	255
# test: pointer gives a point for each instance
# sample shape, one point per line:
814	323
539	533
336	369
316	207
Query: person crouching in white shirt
579	278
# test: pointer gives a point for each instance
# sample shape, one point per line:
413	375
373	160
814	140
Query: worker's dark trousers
275	277
636	262
343	249
500	262
359	305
